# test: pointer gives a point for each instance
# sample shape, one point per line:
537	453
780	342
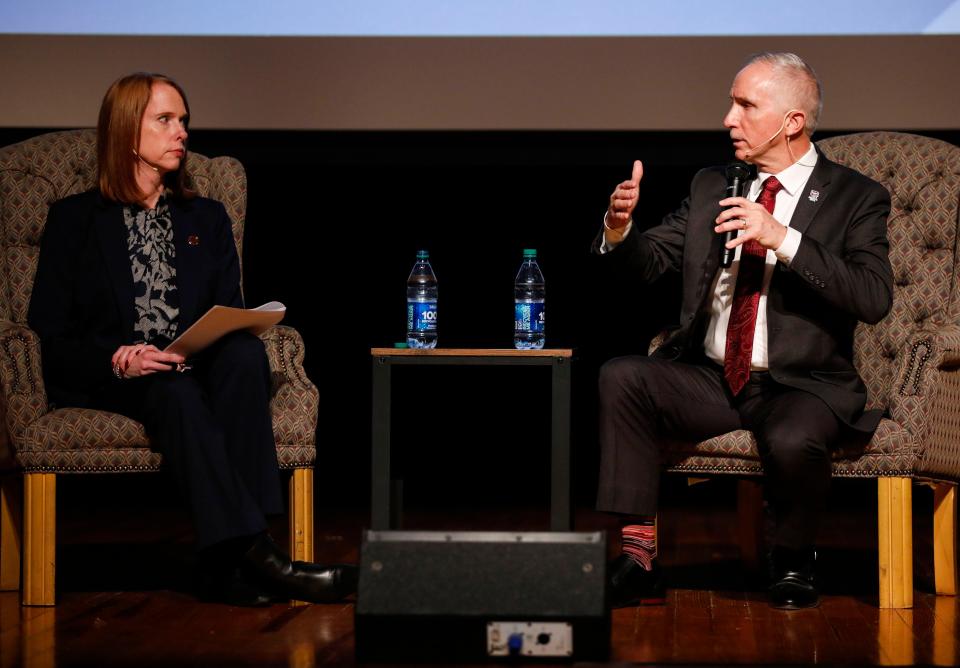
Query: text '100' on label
421	316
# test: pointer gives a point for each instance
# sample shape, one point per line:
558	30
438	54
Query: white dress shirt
793	179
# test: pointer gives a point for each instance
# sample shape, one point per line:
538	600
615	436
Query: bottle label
529	317
421	316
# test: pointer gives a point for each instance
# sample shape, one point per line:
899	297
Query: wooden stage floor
124	598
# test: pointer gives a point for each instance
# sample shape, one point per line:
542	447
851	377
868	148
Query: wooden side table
559	359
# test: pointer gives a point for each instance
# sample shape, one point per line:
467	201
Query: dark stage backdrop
334	221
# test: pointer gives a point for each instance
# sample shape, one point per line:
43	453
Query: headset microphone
739	174
753	150
143	160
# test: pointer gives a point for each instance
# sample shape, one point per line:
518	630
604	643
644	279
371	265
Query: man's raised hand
624	199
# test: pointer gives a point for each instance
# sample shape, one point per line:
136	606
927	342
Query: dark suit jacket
82	305
840	275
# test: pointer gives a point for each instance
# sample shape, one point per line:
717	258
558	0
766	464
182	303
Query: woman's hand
142	359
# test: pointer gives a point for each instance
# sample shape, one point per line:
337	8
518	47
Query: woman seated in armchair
122	270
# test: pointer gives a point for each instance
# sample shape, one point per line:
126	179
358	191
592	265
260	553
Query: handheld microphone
739	174
140	157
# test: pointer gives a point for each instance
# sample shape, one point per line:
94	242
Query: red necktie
746	299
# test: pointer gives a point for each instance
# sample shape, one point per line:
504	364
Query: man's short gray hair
799	81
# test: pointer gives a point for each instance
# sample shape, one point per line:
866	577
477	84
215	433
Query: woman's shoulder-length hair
118	137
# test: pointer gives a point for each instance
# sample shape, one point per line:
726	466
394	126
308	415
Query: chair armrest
23	398
926	398
657	341
295	399
925	355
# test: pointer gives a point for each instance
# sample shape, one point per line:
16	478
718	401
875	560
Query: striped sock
639	542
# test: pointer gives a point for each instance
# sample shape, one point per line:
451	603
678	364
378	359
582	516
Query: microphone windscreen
738	170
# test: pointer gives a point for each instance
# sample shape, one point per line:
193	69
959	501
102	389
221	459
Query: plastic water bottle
529	292
422	304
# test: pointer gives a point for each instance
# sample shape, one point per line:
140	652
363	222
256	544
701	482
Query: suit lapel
814	193
112	235
187	261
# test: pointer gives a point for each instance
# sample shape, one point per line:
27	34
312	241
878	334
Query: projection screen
491	65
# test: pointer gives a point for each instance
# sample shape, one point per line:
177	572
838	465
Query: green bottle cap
423	255
399	345
529	252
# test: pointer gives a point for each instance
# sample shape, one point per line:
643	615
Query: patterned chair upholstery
37	443
910	361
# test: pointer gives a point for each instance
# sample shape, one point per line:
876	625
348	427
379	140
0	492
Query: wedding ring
743	225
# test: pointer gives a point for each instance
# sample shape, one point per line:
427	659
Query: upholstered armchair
910	363
38	443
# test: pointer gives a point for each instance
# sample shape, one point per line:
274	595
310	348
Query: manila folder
221	320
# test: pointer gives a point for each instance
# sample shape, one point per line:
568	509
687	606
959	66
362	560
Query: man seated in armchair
764	344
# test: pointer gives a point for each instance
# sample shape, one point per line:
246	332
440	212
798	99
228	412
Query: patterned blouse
152	253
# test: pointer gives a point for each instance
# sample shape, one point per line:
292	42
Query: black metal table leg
380	465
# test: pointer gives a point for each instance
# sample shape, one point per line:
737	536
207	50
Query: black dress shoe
228	586
793	587
630	584
266	565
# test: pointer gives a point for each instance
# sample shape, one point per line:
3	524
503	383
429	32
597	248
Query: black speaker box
473	595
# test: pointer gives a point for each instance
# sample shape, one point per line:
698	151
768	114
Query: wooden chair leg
40	531
945	641
301	517
895	638
895	526
750	522
945	538
11	527
38	637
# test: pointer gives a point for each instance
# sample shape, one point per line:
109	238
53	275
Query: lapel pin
814	195
193	240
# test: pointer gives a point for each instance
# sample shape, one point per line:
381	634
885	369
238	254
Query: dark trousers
646	402
212	424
